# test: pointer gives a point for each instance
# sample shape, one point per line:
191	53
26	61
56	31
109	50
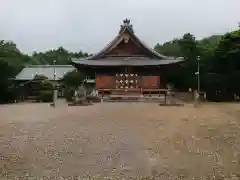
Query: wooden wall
126	49
150	82
105	82
109	82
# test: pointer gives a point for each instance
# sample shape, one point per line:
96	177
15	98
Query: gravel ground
118	140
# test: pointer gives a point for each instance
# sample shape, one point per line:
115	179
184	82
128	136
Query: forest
219	62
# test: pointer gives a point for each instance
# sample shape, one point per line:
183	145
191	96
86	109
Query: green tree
226	60
73	79
60	55
11	61
6	83
190	50
10	53
170	48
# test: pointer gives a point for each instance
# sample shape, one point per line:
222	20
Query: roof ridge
106	47
46	70
124	28
48	65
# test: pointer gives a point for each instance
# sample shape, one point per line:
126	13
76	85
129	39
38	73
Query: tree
6	75
226	60
170	48
73	79
11	62
61	55
190	50
11	54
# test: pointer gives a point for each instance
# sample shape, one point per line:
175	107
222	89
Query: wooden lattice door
127	80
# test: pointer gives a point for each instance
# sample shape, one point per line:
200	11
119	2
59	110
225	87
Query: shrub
8	95
68	94
40	78
73	79
45	91
94	99
46	85
46	96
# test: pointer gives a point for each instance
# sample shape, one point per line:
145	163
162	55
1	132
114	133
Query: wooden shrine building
127	65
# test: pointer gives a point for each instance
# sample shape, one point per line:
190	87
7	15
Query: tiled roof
151	58
117	39
126	62
31	71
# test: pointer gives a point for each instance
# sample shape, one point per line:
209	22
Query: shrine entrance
127	80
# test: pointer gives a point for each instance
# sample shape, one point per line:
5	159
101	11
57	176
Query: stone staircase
133	98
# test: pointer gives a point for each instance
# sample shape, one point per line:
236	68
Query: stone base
177	104
80	104
53	105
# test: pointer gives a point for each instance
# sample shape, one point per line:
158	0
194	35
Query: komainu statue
80	96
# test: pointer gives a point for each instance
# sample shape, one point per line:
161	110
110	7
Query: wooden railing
139	91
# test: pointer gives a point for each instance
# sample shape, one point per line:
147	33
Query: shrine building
127	65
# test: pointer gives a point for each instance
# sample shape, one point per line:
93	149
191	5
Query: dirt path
120	140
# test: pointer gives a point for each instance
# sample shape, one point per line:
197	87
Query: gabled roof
153	57
29	72
127	27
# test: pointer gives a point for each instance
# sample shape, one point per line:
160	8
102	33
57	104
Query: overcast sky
89	25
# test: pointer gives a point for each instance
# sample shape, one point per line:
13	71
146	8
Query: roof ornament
126	24
126	21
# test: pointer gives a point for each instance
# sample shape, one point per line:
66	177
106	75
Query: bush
45	91
46	96
8	95
68	94
94	99
46	86
73	79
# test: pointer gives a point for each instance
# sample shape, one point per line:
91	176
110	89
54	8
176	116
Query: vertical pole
54	85
197	92
198	73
